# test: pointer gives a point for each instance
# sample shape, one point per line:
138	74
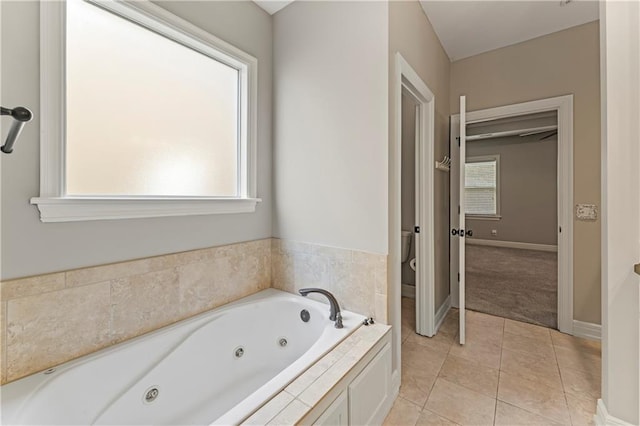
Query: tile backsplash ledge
49	319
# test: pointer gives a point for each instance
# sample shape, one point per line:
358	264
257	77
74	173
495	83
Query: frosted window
146	116
480	192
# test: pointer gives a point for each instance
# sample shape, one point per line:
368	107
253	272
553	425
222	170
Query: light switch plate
586	211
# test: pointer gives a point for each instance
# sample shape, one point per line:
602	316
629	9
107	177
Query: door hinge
416	229
458	209
560	229
458	276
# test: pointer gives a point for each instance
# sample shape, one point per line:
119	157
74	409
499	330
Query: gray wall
528	190
31	247
331	124
411	34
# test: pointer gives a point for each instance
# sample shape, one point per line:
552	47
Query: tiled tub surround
178	361
50	319
309	395
358	279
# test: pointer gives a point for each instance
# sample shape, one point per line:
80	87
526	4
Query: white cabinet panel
369	391
337	414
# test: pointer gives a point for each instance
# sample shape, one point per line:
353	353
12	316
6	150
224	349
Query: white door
457	218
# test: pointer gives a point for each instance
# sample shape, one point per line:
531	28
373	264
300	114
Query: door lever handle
636	268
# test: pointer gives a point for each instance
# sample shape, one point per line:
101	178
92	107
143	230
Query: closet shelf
518	132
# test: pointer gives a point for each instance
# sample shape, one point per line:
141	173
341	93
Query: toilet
406	248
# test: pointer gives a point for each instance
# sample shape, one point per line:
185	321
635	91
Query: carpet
513	283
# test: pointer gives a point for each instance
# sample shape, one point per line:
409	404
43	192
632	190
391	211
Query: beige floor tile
510	415
559	339
482	353
484	333
581	383
578	359
461	405
544	370
403	413
581	410
440	342
416	385
528	345
429	418
474	317
449	326
471	375
405	332
533	396
422	358
528	330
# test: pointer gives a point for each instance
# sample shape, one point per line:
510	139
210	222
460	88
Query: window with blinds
481	186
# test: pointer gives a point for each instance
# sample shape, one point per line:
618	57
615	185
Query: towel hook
21	115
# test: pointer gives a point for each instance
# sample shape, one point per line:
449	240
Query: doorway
462	129
408	83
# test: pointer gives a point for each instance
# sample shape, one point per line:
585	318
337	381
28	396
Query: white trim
409	291
442	312
53	204
82	209
405	77
512	244
603	418
587	330
564	107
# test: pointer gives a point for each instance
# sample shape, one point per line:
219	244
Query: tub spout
335	314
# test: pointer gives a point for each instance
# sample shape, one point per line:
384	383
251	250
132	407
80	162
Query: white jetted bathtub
215	368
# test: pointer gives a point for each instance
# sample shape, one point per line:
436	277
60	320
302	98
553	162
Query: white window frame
482	159
53	203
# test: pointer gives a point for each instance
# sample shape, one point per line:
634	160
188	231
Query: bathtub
215	368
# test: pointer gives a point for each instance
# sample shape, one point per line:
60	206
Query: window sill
84	209
483	217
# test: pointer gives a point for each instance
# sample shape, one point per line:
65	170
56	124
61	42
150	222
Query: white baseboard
409	291
442	312
603	418
587	330
512	244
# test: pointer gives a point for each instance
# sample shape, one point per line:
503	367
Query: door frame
563	105
406	78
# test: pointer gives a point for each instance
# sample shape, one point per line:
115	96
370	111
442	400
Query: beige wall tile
203	286
143	303
101	273
51	328
3	341
32	285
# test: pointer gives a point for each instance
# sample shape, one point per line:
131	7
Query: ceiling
272	6
467	28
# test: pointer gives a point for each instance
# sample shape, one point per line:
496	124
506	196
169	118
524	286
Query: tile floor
508	373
